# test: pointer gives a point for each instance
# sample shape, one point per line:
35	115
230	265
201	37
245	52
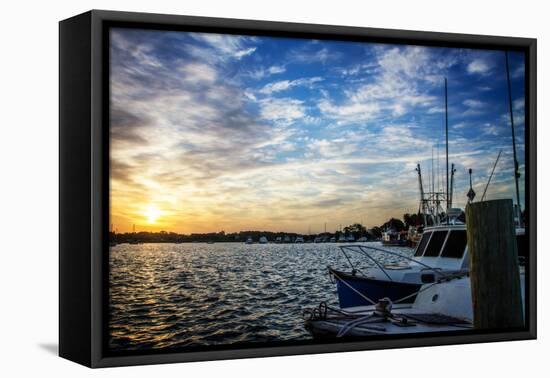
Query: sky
215	132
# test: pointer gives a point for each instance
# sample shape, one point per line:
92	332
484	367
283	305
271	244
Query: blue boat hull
371	288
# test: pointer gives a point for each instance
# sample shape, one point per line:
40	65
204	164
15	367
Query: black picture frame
84	180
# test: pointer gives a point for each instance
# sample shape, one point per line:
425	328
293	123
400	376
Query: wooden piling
494	269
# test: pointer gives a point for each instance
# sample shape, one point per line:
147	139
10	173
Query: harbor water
196	294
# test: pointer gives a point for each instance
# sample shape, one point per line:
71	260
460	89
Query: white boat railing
362	249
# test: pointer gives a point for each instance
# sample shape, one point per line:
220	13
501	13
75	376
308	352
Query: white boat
299	239
249	241
263	240
442	251
438	307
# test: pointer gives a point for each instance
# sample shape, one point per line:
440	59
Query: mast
453	170
433	172
447	143
516	165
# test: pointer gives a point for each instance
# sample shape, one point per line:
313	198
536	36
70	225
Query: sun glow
152	213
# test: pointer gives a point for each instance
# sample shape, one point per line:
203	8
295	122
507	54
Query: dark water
196	294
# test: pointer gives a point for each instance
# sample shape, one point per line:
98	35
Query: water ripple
185	295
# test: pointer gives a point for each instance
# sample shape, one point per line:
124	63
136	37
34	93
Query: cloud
478	66
310	53
519	104
284	85
519	72
394	91
261	72
332	148
476	104
350	112
282	109
227	46
490	129
198	73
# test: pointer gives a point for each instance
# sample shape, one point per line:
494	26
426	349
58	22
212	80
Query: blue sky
218	132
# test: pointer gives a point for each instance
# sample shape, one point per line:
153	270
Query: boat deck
404	319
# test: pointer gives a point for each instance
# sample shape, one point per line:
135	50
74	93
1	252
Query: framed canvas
234	188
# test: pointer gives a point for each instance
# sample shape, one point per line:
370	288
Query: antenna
516	165
453	170
447	144
438	170
491	176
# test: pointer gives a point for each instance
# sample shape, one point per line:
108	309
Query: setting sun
152	213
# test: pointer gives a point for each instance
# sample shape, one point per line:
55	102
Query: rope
360	321
352	288
320	312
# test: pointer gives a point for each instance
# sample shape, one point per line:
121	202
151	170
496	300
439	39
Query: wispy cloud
261	72
226	45
478	66
283	85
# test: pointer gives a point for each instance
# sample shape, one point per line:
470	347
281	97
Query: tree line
356	230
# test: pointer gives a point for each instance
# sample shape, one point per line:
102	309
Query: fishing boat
441	306
393	238
249	241
441	252
263	240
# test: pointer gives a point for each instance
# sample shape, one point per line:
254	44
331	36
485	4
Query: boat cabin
443	247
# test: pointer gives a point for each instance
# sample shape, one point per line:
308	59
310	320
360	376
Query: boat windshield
422	245
455	245
436	242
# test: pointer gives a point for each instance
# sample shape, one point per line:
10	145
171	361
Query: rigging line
516	165
447	147
491	176
352	288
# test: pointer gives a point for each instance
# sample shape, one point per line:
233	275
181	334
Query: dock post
494	269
